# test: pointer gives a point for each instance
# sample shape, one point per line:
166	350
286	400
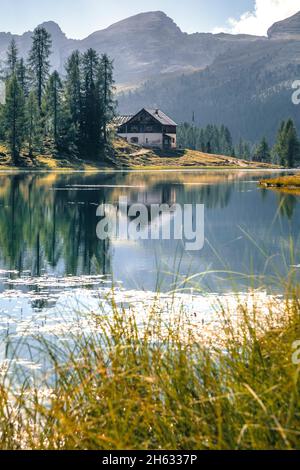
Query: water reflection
48	228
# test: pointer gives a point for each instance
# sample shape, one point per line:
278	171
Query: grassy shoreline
125	156
289	184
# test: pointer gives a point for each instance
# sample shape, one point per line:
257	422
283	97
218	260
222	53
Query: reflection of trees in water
13	211
212	196
212	188
42	228
170	191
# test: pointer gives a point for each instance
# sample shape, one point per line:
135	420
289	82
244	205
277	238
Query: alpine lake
54	269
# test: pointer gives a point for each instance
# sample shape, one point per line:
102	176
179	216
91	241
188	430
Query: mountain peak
286	29
151	20
53	28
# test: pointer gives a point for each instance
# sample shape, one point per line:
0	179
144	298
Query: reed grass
155	386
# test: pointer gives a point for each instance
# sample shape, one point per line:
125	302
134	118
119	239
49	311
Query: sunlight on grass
151	383
284	184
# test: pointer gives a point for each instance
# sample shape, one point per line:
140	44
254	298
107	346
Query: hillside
133	157
123	155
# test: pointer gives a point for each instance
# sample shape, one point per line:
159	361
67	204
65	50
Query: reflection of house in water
149	128
159	195
159	199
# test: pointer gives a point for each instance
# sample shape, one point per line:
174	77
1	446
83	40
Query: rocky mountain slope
143	46
286	29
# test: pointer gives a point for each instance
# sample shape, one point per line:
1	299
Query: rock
286	29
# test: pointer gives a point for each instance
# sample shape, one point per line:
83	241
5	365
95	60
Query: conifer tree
263	152
280	150
52	106
292	144
227	141
92	106
22	76
14	117
107	89
240	149
33	124
39	61
2	122
287	147
247	151
74	95
11	59
210	139
43	111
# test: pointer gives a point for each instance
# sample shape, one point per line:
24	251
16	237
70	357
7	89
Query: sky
79	18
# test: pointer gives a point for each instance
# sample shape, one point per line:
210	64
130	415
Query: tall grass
158	386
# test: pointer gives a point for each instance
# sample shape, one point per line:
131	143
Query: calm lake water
48	228
52	260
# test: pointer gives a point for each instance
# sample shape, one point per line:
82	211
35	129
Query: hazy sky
78	18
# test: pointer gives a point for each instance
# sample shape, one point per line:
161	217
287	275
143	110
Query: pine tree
71	116
52	106
280	150
2	122
22	76
92	109
243	150
287	147
74	95
226	141
292	144
39	61
240	149
14	117
33	124
11	59
263	152
247	151
107	89
210	139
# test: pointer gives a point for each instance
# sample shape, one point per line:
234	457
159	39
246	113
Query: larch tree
11	59
92	109
287	147
292	144
263	151
74	95
39	61
22	75
107	90
33	124
52	106
14	117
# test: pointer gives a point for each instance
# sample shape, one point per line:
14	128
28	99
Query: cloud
266	13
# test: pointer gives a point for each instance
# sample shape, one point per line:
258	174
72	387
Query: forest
218	140
45	112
